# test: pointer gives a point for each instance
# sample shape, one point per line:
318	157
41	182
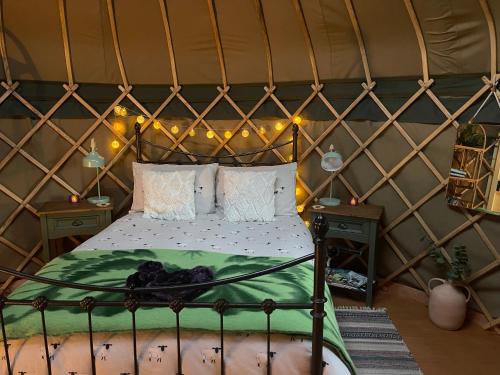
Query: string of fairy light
124	112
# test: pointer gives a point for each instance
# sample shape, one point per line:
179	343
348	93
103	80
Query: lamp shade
93	159
332	161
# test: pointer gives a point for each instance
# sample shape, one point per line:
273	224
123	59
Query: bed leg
320	226
132	304
41	303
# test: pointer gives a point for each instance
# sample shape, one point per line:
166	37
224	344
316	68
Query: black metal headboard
221	159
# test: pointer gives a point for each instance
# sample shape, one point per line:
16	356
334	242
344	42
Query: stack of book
454	172
346	279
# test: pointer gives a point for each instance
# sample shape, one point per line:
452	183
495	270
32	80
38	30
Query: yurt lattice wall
49	175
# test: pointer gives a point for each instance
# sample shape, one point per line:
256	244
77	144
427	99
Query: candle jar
74	198
354	201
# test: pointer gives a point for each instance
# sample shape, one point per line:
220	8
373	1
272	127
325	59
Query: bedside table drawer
355	230
347	227
64	226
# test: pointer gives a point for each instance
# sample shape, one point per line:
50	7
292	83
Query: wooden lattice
311	145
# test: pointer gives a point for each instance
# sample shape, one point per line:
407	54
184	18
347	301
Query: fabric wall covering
368	76
452	90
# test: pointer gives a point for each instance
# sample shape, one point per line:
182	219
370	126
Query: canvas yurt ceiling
254	42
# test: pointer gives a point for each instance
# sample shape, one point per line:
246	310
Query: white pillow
249	195
204	184
286	203
169	195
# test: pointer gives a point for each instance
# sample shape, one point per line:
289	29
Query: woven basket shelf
467	191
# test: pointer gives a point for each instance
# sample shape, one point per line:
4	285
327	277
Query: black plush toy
152	274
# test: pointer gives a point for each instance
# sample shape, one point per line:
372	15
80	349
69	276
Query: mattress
245	353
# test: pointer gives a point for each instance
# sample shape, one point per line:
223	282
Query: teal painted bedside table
355	223
64	219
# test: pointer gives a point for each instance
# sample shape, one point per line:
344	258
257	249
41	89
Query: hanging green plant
471	135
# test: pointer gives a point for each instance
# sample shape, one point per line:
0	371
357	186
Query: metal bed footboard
132	303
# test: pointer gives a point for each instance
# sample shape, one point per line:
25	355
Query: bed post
320	226
138	143
295	137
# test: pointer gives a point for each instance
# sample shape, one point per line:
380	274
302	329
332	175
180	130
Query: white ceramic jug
447	304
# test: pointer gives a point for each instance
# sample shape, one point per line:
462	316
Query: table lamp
331	162
94	160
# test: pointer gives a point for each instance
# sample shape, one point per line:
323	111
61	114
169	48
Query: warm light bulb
192	133
297	120
278	126
300	208
156	124
210	134
262	130
245	133
119	127
228	134
290	157
115	144
307	223
118	110
123	111
298	190
174	129
140	119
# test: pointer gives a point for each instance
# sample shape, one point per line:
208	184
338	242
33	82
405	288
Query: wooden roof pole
64	31
307	37
3	48
267	44
116	44
170	46
359	38
493	39
420	39
218	43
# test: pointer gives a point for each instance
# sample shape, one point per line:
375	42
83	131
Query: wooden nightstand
63	219
356	223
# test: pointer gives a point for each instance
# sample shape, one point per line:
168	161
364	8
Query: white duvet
285	236
244	353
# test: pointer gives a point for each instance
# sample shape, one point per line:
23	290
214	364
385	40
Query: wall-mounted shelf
465	181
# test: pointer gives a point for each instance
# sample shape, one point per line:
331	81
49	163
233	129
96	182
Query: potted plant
447	302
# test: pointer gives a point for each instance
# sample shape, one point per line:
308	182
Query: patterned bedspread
106	267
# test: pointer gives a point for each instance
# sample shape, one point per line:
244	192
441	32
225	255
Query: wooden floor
469	351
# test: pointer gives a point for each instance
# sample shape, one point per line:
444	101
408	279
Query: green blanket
111	268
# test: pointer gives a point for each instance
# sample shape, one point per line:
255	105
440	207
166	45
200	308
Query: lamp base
329	201
103	199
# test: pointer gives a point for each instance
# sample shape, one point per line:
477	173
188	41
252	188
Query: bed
253	319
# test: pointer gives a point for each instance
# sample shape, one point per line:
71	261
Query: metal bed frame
131	302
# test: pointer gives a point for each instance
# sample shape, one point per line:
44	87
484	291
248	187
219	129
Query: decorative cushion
249	195
169	195
285	201
204	184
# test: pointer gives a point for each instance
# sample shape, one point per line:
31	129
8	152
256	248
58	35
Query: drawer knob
77	223
342	226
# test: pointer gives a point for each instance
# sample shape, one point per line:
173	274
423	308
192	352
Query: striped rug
374	343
